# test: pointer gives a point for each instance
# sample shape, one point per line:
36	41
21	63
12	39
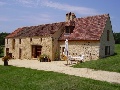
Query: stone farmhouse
91	36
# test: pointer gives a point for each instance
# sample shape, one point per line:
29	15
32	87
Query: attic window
108	33
69	29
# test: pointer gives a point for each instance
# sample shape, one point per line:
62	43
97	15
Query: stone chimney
70	16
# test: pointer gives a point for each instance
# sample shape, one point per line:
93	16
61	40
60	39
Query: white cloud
28	3
70	8
60	6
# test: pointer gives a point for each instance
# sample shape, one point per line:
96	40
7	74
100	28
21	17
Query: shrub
44	58
1	50
6	58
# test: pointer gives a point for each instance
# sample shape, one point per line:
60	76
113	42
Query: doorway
107	50
36	50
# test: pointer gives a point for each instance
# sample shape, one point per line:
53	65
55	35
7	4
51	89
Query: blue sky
20	13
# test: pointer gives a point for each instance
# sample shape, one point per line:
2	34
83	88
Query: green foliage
2	38
117	38
111	63
16	78
43	56
6	58
57	54
1	49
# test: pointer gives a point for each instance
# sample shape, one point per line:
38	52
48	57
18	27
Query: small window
7	41
108	35
41	39
19	41
13	44
69	29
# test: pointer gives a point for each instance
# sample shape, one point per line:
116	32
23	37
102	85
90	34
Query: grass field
16	78
111	63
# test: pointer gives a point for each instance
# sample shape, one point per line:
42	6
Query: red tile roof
40	30
14	33
88	28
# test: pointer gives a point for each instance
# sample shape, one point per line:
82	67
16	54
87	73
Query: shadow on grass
114	54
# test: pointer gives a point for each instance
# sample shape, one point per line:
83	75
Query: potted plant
5	59
44	58
41	58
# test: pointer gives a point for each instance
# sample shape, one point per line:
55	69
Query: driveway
60	66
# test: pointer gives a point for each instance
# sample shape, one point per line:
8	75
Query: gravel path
59	66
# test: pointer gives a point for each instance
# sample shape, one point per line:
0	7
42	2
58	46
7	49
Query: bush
6	58
44	58
1	50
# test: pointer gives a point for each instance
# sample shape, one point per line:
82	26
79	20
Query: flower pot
5	62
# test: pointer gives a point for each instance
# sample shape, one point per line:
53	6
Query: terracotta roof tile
40	30
14	33
88	28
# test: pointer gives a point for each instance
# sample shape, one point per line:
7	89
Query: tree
2	38
117	38
1	50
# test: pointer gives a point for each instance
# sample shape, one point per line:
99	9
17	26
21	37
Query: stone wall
26	46
88	48
104	42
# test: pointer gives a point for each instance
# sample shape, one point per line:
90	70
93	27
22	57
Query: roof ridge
93	16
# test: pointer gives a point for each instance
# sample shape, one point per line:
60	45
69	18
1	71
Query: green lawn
16	78
111	63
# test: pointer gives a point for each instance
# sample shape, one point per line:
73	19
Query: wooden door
36	51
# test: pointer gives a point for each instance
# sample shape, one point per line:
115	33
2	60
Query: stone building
91	36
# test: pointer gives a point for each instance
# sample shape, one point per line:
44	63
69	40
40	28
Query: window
19	41
41	39
13	44
107	50
7	41
20	53
108	33
69	29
